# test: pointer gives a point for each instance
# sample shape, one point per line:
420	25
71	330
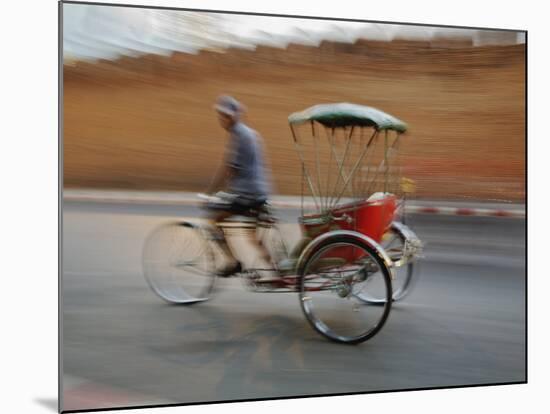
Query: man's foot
286	266
230	270
268	276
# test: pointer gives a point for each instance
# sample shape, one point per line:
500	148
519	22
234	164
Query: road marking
185	199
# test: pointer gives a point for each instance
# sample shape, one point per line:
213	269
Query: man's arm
222	176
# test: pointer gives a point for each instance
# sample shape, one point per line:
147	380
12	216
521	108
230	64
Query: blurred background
139	85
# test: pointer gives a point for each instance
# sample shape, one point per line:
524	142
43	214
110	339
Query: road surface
464	322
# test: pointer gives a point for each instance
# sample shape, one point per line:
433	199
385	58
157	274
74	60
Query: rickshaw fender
312	247
404	230
413	245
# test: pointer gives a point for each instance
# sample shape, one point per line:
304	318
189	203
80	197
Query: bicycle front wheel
178	263
330	282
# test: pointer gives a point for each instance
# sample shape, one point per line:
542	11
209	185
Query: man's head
229	110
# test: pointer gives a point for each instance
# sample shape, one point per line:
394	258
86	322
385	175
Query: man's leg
269	274
264	253
217	216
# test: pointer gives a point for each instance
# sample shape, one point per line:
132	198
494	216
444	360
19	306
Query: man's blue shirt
245	156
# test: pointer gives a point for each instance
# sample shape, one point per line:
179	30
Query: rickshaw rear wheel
393	243
330	280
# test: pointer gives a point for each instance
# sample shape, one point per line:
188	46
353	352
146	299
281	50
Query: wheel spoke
329	293
178	263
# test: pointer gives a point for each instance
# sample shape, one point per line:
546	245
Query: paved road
464	323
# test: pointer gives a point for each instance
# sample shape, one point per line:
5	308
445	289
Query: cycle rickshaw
354	258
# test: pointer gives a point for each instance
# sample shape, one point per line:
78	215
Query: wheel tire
403	276
178	263
306	301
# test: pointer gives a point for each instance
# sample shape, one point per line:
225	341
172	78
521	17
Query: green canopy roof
347	114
